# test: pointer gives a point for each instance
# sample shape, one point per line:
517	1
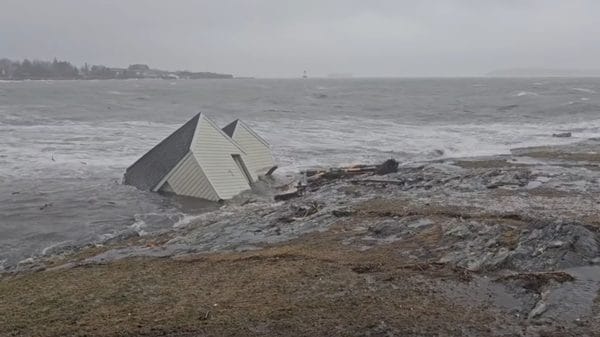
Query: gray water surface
64	145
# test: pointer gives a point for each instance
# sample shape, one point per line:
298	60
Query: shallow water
64	145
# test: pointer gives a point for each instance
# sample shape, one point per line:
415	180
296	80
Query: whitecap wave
49	250
186	219
139	227
525	93
586	90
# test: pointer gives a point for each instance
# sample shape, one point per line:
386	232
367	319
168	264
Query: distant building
138	67
117	72
56	69
201	75
139	71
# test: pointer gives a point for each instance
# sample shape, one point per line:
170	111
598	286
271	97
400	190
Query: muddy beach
489	246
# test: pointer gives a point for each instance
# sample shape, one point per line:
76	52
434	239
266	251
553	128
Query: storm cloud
278	38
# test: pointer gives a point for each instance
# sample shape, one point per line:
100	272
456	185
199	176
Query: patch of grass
308	287
510	238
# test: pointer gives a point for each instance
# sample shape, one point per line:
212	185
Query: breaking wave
588	91
525	93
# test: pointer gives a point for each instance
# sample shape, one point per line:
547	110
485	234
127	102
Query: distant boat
304	75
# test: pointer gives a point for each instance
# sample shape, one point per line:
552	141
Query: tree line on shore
60	70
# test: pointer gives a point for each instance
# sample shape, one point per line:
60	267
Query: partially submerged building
259	158
201	160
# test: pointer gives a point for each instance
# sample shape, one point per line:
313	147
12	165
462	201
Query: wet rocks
556	244
388	166
539	309
585	242
537	282
302	211
489	244
342	212
500	178
385	229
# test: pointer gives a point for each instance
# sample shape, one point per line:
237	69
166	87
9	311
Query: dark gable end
152	167
230	128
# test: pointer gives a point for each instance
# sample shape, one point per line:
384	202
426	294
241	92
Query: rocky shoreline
497	246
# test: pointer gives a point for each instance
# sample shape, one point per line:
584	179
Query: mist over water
64	145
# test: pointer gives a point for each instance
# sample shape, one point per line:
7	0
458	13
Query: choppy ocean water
64	145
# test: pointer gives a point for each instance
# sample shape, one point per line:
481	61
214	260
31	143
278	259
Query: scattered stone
539	309
303	211
388	166
366	268
585	242
342	212
286	219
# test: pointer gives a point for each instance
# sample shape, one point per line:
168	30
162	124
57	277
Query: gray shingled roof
230	128
152	167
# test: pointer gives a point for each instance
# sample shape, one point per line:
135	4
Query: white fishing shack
259	158
197	160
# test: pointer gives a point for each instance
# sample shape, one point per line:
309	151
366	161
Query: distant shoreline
118	79
64	70
483	77
544	72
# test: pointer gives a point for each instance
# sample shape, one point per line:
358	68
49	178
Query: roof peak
229	129
149	169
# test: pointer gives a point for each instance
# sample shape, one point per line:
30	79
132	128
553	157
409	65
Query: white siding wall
189	179
213	151
258	157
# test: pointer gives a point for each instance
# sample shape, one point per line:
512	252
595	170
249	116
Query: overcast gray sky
279	38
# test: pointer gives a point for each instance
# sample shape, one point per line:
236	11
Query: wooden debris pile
319	177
